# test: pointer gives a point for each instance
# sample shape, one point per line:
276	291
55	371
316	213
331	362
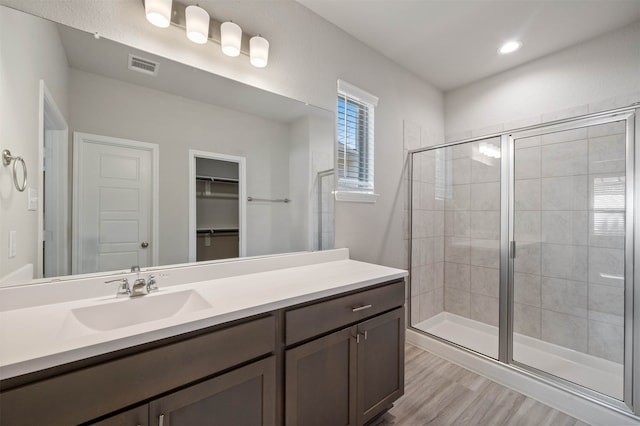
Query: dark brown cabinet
351	375
338	360
245	396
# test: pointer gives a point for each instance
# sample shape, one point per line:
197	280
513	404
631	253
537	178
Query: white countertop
39	337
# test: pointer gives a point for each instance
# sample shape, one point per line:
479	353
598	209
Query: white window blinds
355	125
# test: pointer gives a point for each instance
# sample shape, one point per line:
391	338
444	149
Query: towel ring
6	160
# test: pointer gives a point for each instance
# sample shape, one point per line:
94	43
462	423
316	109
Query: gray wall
40	56
109	107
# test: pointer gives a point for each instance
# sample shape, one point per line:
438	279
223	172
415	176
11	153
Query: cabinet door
244	396
320	385
138	416
380	363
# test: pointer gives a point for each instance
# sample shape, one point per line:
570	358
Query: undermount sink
137	310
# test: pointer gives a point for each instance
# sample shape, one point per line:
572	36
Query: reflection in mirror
108	134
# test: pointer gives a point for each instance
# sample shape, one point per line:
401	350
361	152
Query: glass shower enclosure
522	251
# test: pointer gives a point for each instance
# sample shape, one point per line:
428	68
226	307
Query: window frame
362	189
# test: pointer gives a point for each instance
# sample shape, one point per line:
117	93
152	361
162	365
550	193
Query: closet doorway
217	206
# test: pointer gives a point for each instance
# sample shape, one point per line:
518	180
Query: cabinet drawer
313	320
86	394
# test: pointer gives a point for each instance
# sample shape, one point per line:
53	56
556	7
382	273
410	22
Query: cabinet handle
361	308
161	420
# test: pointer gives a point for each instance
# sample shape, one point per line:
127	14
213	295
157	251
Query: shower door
455	243
571	251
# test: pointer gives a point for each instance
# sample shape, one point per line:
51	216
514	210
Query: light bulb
230	38
197	24
158	12
510	46
258	51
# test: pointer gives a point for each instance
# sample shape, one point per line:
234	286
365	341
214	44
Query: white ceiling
450	43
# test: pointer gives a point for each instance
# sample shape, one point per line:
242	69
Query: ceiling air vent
142	65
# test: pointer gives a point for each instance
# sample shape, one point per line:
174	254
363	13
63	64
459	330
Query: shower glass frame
630	403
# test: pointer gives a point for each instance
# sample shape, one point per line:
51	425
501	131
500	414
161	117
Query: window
355	121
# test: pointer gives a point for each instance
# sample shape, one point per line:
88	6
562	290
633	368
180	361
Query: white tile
564	159
564	330
569	297
527	226
457	302
485	225
527	163
462	150
411	135
526	320
461	223
457	250
529	142
527	258
606	299
485	169
438	249
523	122
615	319
415	280
607	229
565	113
565	227
461	171
460	200
485	196
458	136
415	310
564	261
564	136
606	341
527	194
564	193
526	289
606	266
608	129
489	130
457	275
607	154
427	278
484	309
485	253
485	281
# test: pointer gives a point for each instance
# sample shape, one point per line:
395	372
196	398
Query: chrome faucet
140	286
123	289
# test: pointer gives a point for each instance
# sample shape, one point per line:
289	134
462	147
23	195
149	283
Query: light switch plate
32	197
12	244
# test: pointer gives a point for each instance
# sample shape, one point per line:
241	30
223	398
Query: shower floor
592	372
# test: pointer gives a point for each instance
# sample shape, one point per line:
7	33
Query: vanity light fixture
158	12
510	46
258	51
230	38
197	24
201	28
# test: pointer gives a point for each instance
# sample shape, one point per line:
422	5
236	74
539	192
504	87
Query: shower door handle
512	249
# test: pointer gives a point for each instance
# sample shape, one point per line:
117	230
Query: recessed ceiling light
510	46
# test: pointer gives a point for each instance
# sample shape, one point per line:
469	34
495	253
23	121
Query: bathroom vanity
308	338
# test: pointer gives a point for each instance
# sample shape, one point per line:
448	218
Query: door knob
144	244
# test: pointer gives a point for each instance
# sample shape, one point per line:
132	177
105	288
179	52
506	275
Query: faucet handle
123	289
151	284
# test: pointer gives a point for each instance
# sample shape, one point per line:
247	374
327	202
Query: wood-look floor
438	392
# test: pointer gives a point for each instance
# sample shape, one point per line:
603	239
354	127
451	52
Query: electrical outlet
12	244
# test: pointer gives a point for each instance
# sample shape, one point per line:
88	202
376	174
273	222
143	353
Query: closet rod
274	200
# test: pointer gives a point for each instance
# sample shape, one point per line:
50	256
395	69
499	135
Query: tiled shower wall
568	286
569	227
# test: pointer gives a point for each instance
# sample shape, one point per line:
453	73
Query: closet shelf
212	231
216	179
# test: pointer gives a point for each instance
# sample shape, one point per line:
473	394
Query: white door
113	203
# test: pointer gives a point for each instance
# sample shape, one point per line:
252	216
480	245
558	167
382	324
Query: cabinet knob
144	244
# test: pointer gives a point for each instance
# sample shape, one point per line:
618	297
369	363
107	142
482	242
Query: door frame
242	198
78	144
52	126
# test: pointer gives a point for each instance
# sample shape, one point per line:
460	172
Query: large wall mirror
128	154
